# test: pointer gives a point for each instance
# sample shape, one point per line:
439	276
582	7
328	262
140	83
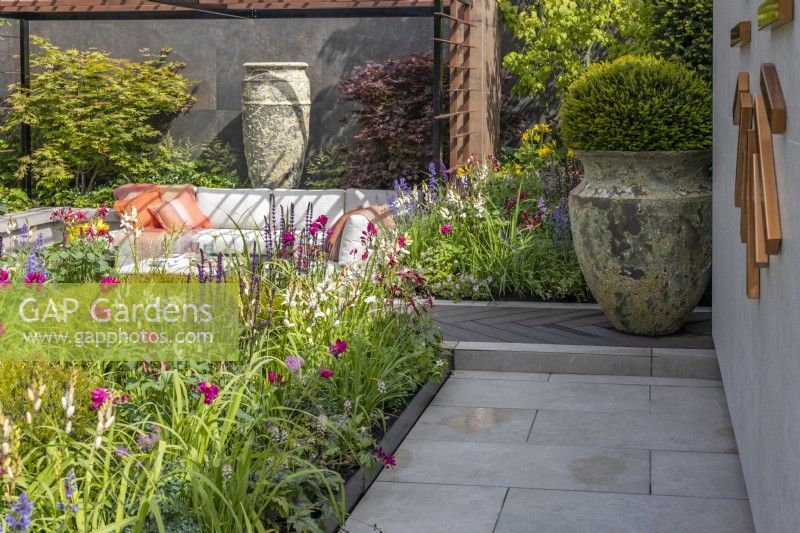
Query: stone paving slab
516	394
697	400
510	376
649	431
549	511
713	475
474	424
421	508
636	380
521	465
686	367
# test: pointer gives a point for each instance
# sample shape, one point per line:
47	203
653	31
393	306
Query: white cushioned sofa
238	217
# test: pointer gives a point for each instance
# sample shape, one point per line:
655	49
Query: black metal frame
195	13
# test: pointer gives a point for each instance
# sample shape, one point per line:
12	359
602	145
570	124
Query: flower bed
486	232
261	443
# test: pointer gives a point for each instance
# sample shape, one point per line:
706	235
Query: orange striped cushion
142	202
180	213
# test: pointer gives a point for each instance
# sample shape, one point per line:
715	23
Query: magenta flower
274	378
99	397
208	390
371	230
322	220
2	329
34	278
387	459
446	229
5	277
337	347
325	373
293	363
288	238
102	211
109	280
402	241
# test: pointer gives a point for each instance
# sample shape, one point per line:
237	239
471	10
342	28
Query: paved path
514	452
572	324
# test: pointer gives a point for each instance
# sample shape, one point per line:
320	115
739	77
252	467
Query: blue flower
19	519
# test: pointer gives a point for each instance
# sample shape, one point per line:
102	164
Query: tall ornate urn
641	225
276	104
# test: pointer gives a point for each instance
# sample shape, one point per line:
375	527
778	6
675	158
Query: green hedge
682	29
637	104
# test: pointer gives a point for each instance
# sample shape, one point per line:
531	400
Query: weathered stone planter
276	103
641	223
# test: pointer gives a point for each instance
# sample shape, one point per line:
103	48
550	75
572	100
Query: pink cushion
180	213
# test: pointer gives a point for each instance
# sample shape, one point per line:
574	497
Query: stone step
587	360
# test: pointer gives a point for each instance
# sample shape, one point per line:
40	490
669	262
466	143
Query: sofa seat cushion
226	240
328	202
152	243
232	208
358	198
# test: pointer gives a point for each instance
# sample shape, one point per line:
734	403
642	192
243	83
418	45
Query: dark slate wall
214	51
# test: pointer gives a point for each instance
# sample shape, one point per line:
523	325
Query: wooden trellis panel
473	66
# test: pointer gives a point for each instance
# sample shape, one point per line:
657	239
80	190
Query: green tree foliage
559	38
94	117
638	104
682	29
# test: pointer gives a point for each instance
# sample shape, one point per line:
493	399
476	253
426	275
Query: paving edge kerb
590	360
362	480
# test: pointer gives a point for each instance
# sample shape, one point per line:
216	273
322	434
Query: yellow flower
570	153
517	169
545	151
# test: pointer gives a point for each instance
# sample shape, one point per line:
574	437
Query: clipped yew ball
638	104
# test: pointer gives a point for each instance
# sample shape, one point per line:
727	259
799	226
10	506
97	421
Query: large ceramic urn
641	224
276	103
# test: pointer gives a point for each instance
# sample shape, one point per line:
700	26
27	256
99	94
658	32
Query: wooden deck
579	324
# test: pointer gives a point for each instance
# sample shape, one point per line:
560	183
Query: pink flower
387	459
99	397
5	277
322	220
109	280
34	278
337	347
102	211
325	373
446	229
208	390
314	228
288	238
2	329
371	230
402	241
274	378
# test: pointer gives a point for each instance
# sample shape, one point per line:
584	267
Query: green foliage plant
558	39
13	199
94	117
637	104
268	445
682	30
485	232
174	162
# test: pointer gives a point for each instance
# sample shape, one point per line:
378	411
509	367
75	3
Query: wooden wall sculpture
758	117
